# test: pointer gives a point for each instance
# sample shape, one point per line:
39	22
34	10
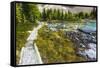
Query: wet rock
85	44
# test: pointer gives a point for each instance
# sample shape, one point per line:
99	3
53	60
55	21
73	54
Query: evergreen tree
44	16
81	15
62	15
54	14
69	16
65	17
58	14
31	12
93	13
86	15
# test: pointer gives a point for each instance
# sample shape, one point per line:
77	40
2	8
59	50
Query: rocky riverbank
84	39
85	44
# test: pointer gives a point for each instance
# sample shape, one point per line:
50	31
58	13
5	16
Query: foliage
31	12
26	18
60	15
93	13
55	47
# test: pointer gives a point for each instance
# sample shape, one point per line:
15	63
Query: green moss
20	42
55	47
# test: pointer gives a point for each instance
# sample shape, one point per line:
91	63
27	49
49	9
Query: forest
56	14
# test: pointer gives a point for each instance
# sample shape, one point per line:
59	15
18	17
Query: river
85	32
30	54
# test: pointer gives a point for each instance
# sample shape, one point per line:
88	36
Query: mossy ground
21	37
55	47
